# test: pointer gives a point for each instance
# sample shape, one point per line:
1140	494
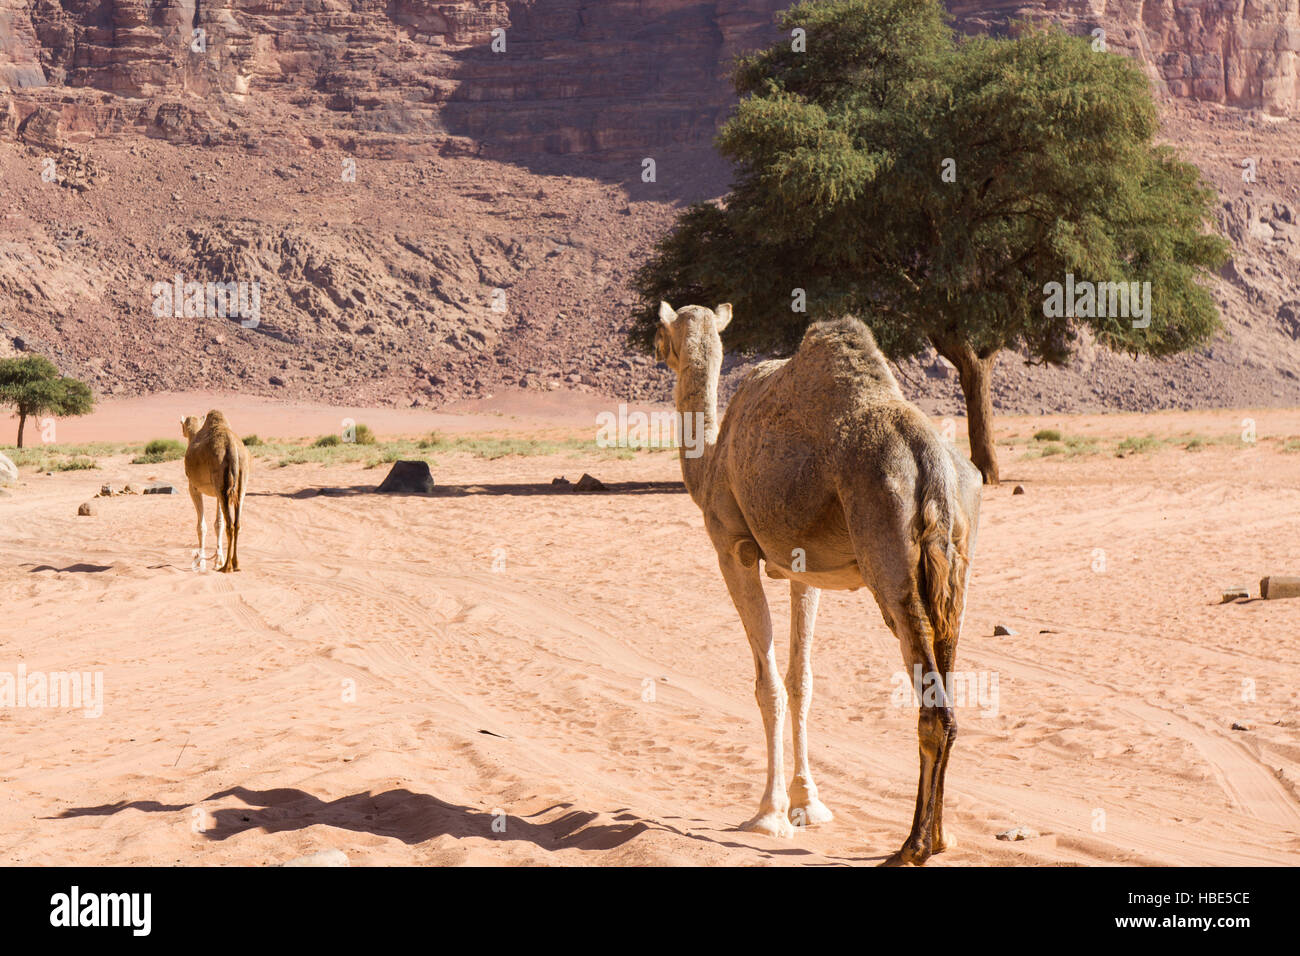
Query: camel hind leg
889	557
936	726
232	532
805	807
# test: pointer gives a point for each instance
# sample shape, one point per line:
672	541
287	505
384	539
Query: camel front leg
202	531
747	593
805	808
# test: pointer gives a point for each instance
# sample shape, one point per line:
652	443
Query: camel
217	465
826	473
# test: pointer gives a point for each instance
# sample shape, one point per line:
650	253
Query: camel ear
667	314
723	315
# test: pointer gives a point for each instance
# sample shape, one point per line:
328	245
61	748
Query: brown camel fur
826	473
217	464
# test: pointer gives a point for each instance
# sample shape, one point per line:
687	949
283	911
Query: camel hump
848	333
215	418
845	351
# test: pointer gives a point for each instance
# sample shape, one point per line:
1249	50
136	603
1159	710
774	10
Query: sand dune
391	676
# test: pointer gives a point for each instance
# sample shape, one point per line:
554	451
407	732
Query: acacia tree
32	384
936	187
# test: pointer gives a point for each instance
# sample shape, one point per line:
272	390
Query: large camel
824	471
217	465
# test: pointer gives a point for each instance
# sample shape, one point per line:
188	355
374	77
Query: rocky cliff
600	77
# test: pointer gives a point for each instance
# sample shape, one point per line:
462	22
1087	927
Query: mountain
439	200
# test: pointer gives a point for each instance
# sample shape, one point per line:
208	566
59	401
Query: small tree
938	187
32	384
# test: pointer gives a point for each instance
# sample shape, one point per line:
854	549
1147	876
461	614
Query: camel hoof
945	841
772	823
908	856
810	813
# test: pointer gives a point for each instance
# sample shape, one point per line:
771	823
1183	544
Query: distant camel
217	465
825	472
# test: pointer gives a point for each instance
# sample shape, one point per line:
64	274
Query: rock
276	380
160	488
1235	594
8	471
1018	490
408	477
1277	586
133	488
87	509
1018	833
561	482
1001	630
109	490
1239	725
588	483
323	858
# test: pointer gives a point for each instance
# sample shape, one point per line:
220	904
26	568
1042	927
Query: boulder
87	509
588	483
160	488
408	477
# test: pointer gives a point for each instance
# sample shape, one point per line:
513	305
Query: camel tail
945	553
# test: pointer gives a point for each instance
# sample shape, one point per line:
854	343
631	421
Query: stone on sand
1018	833
410	477
87	509
588	483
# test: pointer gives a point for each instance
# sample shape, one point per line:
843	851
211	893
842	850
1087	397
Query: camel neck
696	398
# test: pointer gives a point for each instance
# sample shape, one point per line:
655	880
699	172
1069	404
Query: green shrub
327	441
364	435
251	441
160	449
1135	445
74	464
1047	434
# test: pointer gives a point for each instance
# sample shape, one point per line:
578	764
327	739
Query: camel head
190	425
690	337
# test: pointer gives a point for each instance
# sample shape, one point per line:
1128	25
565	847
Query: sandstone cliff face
603	77
595	77
1235	52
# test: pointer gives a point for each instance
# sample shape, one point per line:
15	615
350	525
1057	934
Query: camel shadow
73	568
500	488
400	814
413	818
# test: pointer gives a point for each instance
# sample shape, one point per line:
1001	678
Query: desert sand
392	676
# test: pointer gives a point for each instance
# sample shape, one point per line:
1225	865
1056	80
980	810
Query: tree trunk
975	373
22	420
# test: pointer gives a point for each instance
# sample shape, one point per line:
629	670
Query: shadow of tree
500	488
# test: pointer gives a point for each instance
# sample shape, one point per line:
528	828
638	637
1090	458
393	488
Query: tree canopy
33	385
936	187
